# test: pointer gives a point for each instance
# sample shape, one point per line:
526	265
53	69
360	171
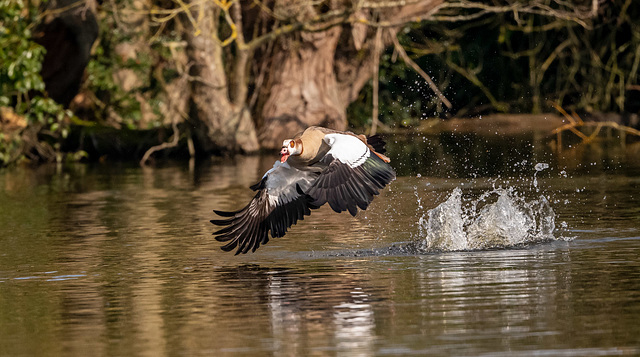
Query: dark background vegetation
86	79
495	64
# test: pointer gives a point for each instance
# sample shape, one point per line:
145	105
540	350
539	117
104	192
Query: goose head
290	147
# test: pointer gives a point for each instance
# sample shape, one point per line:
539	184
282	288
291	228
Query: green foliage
109	64
21	85
21	57
9	147
101	72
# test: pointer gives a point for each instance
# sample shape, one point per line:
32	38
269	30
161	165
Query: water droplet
541	166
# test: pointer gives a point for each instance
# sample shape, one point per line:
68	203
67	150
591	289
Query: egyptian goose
318	166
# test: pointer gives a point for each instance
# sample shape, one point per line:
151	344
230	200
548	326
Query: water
528	260
507	222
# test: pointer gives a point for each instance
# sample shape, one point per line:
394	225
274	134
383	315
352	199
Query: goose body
316	167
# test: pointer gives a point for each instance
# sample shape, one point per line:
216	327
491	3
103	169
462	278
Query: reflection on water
309	310
470	155
116	260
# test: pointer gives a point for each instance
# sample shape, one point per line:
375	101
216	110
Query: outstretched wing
353	175
279	203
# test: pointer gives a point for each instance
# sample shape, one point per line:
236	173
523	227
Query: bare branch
422	73
377	45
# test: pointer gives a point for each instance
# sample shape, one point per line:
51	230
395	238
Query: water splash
498	218
539	167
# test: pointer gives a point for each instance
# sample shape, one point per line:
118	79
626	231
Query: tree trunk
67	32
225	127
304	88
313	80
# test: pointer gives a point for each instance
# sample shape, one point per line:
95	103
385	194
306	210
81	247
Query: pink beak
284	154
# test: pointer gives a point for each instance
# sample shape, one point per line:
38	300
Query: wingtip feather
225	213
221	222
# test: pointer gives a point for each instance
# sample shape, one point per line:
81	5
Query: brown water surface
114	260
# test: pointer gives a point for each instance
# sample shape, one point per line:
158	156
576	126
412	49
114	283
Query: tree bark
304	90
67	32
225	127
314	76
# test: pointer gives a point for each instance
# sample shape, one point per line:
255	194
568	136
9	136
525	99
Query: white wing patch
348	149
282	180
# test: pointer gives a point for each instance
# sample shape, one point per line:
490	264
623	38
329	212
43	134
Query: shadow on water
416	248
